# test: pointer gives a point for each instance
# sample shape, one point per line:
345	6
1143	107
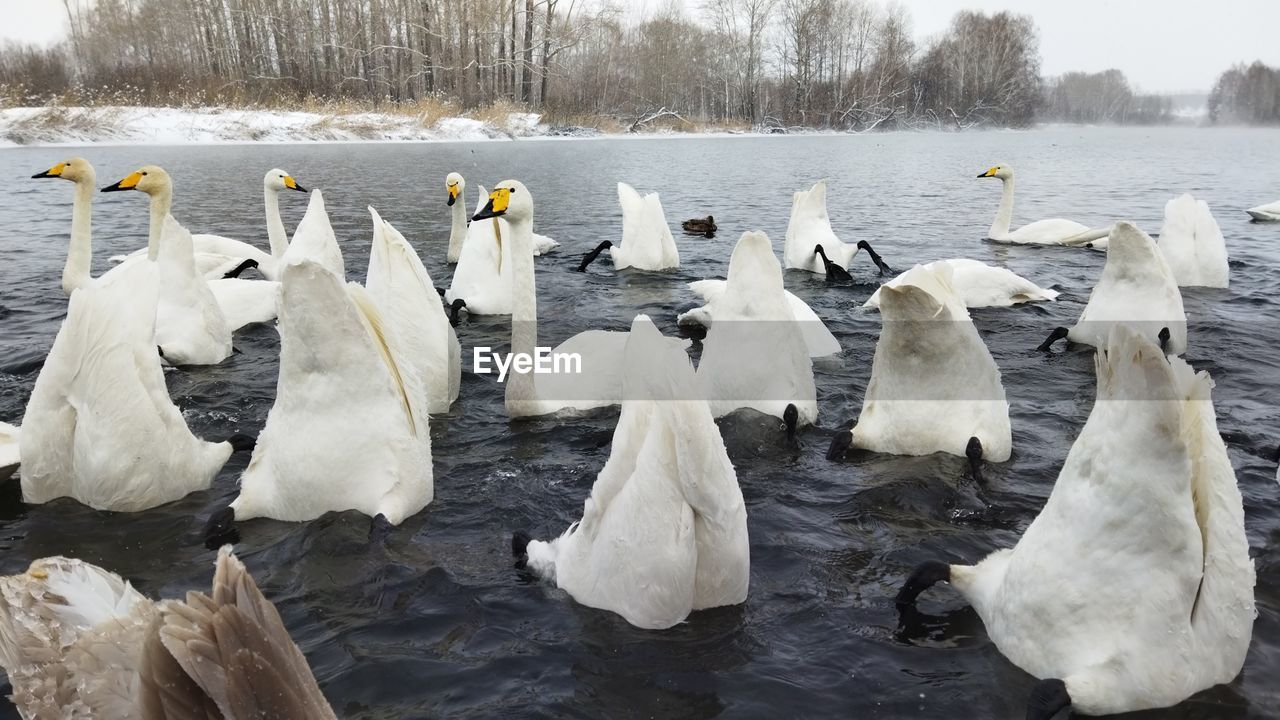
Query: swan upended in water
597	380
1136	288
1042	232
10	450
80	642
755	355
401	287
241	301
647	243
934	386
215	255
817	338
349	427
99	426
979	285
810	243
664	532
459	234
1192	244
1266	213
1133	587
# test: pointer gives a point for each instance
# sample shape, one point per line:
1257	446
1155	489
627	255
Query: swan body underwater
817	338
1042	232
216	255
978	284
934	386
1136	288
647	243
664	532
1133	588
241	301
812	245
349	427
99	426
597	380
1192	244
78	641
1266	213
459	233
755	355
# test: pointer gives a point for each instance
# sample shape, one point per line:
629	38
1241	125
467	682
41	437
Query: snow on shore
182	126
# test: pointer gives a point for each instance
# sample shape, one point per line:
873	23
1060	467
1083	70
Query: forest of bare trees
1248	95
842	64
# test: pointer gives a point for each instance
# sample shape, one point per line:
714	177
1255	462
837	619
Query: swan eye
144	174
512	189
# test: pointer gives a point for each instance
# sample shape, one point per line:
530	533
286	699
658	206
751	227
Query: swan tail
380	334
540	557
233	644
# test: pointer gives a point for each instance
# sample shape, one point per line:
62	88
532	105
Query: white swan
80	642
934	386
755	355
595	380
1266	213
979	285
817	338
646	243
482	280
1042	232
1136	288
812	245
664	532
1133	588
1192	244
100	427
242	301
401	287
10	452
216	255
459	231
349	427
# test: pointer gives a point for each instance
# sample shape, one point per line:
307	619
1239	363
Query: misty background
765	64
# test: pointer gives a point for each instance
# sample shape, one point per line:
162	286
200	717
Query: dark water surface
438	623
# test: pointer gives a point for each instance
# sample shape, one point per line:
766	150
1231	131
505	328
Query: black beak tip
982	174
112	188
40	175
451	201
299	188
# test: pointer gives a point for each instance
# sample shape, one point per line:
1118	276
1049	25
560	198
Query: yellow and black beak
453	194
55	171
497	206
128	183
292	184
991	172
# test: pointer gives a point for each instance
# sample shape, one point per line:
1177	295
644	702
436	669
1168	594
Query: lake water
438	623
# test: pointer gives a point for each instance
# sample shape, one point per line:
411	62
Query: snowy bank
180	126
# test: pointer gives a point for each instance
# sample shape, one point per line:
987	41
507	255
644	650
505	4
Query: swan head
277	179
77	170
511	200
149	179
1004	172
454	183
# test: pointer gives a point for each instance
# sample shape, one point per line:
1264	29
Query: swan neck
161	204
1004	216
458	230
524	305
80	251
275	226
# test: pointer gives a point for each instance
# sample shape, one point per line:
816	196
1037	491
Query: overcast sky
1162	45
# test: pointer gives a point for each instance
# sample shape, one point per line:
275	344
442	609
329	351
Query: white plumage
1192	244
755	355
934	384
1136	288
100	427
1266	213
1055	231
817	338
809	227
664	532
348	430
1134	584
647	243
979	285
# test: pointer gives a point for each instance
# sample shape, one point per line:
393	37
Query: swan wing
314	239
543	244
1266	213
190	327
233	644
235	249
245	302
482	278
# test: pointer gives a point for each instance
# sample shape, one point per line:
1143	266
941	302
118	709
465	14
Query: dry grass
57	124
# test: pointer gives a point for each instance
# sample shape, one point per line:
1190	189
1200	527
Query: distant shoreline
55	126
